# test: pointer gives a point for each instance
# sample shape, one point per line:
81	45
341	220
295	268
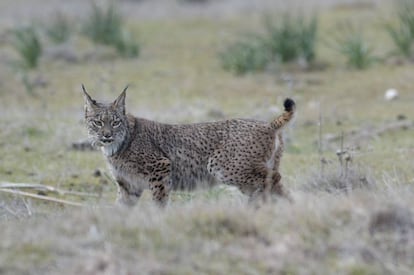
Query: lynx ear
119	103
89	102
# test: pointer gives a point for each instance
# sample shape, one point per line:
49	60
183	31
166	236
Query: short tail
283	119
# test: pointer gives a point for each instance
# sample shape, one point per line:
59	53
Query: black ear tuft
119	103
88	98
289	104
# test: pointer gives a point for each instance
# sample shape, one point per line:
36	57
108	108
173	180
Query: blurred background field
348	163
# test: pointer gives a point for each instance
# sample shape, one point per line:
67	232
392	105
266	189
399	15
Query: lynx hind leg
269	191
263	187
159	179
274	186
277	187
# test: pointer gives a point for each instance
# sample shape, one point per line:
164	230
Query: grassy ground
319	234
178	78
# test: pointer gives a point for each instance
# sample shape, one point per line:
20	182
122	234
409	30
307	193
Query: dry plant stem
10	211
34	196
344	169
27	206
344	159
340	155
42	187
321	158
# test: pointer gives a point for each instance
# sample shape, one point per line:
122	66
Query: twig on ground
35	196
45	188
27	206
10	211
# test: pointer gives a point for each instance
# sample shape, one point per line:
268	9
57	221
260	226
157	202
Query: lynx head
107	123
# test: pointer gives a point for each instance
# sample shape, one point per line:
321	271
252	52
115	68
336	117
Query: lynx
147	154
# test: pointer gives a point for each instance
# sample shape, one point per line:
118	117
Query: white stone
391	94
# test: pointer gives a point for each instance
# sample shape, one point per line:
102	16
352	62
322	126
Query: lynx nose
107	137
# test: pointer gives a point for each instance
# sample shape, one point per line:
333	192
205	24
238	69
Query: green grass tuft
126	45
402	33
27	43
59	30
286	39
291	37
405	13
351	43
105	25
402	38
249	55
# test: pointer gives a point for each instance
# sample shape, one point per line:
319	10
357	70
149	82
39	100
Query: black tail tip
289	104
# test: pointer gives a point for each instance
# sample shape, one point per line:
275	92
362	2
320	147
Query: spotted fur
147	154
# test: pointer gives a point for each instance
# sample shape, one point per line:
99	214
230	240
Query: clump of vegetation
338	180
127	46
308	38
245	56
27	43
402	33
59	30
290	38
344	176
351	43
401	37
105	26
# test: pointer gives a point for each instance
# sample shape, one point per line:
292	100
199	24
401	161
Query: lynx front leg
158	181
160	192
127	194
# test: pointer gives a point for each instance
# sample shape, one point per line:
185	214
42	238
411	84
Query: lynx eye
97	123
116	123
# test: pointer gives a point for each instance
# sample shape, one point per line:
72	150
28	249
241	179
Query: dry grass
178	78
362	233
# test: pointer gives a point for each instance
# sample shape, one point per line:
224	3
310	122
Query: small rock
97	173
42	193
401	117
391	94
